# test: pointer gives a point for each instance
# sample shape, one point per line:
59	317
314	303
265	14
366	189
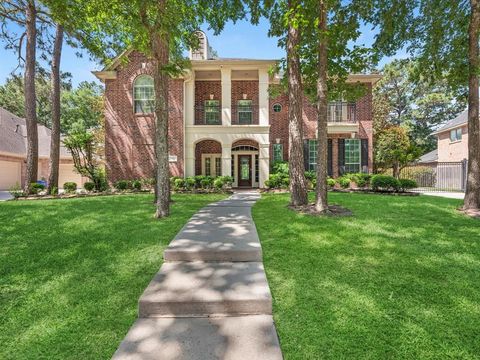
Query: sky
237	40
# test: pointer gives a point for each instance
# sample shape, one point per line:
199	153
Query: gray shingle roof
459	120
13	136
429	157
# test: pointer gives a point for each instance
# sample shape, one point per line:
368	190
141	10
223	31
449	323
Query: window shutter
306	158
330	157
364	155
341	156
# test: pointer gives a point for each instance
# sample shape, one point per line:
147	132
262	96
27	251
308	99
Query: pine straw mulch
333	210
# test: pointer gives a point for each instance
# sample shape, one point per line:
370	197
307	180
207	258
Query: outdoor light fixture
244	96
278	140
211	96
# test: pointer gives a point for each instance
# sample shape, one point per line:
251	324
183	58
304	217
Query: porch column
263	164
189	99
263	101
227	160
189	160
226	96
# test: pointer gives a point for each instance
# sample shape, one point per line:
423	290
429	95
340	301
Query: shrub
178	183
122	185
198	181
137	185
344	181
54	191
280	167
384	182
89	186
206	182
16	191
277	181
218	183
423	175
406	184
148	182
70	187
361	179
190	182
35	188
310	175
228	180
331	183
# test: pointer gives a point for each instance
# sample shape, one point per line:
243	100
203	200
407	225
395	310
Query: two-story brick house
223	121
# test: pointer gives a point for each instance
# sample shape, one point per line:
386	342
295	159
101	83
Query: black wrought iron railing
208	115
245	114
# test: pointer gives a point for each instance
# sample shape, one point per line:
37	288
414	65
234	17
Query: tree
418	103
393	149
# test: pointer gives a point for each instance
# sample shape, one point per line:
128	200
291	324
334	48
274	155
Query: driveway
5	195
450	195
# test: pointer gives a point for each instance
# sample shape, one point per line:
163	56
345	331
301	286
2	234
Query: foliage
393	149
277	181
178	183
406	97
35	188
280	167
331	183
406	184
137	185
206	182
384	182
190	182
83	147
424	175
123	185
70	187
16	191
200	182
89	186
361	179
344	181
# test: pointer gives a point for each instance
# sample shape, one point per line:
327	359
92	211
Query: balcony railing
208	115
244	114
341	112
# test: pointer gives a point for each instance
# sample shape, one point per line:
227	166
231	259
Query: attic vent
204	51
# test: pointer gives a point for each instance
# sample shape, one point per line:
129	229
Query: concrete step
229	338
196	289
212	235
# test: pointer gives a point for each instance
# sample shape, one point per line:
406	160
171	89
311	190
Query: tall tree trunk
472	194
30	96
298	183
55	136
160	47
321	202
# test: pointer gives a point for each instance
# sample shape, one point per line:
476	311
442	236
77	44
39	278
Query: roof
460	120
429	157
13	137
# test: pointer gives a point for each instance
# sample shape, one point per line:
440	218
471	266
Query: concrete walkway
445	194
210	299
5	195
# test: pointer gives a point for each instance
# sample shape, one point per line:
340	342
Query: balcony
210	113
341	112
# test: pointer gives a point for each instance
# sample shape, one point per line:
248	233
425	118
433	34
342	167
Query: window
232	169
208	167
277	107
257	171
352	155
212	112
143	95
277	152
312	155
218	166
456	135
245	112
211	164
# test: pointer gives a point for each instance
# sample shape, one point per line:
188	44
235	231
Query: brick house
222	121
452	139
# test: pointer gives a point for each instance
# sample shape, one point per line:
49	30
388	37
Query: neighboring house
222	121
13	152
429	158
453	139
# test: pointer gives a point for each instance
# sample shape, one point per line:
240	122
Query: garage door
10	174
67	173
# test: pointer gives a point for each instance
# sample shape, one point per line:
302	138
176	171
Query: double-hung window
212	164
245	113
277	152
455	135
352	155
143	95
212	112
312	154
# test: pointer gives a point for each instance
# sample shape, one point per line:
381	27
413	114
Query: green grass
71	271
398	280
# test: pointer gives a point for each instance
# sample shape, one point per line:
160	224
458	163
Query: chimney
204	51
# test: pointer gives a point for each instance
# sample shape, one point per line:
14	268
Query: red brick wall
205	147
250	88
203	90
279	126
129	137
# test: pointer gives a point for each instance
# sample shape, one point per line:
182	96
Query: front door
244	170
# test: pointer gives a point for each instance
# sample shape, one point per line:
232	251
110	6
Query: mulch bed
333	210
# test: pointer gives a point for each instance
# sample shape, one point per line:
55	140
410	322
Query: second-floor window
245	113
455	135
143	95
212	112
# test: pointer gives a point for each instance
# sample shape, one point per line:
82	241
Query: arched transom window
143	95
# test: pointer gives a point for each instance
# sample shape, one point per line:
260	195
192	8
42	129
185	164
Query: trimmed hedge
406	184
70	187
385	183
89	186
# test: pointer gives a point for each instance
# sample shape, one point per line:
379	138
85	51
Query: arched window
143	95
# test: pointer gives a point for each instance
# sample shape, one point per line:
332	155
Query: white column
263	101
226	96
227	159
190	160
189	100
263	164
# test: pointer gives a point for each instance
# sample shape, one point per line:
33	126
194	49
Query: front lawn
71	271
398	280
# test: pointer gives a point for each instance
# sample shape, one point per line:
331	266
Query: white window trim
359	141
135	99
212	164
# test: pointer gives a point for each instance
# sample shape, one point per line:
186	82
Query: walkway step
217	234
192	289
228	338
